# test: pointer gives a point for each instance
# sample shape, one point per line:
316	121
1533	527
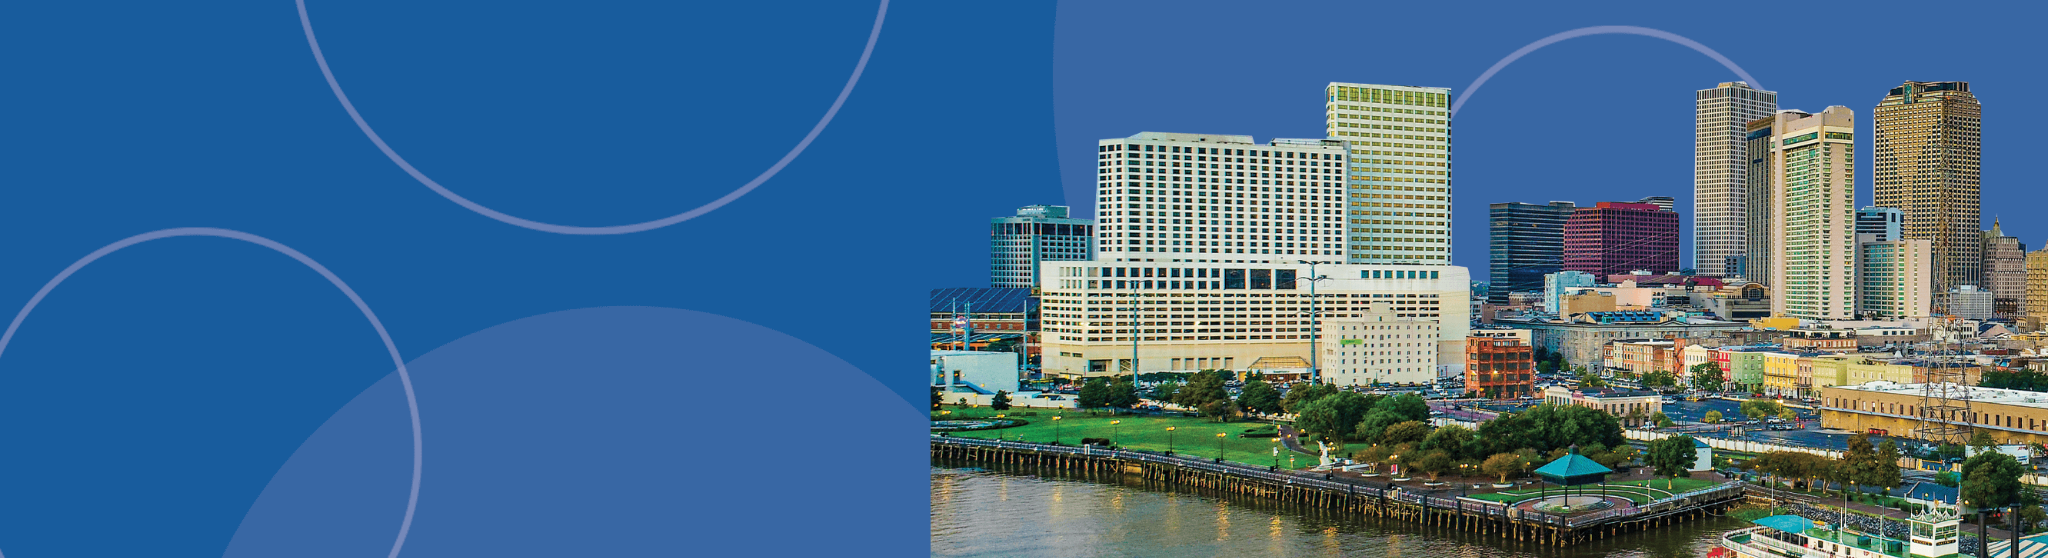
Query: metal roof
1572	465
986	300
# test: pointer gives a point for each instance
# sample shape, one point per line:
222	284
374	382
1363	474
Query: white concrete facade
1196	316
982	371
1216	198
1719	166
1379	348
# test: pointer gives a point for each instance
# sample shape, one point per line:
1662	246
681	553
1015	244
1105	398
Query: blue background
150	400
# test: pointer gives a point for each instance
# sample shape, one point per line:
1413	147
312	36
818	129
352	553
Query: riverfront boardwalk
1326	493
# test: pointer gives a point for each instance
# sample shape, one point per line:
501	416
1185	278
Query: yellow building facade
2010	416
1781	373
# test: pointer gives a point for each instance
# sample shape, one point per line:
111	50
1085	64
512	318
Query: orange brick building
1499	368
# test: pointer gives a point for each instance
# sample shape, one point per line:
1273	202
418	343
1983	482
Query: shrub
1095	441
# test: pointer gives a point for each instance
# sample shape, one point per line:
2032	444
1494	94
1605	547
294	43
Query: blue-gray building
1037	233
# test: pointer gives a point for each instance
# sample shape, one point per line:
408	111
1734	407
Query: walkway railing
1713	493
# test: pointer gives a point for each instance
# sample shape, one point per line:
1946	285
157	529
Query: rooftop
2013	397
986	300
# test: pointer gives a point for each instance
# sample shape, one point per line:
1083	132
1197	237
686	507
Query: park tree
1505	433
937	398
1001	401
1859	463
1304	393
1885	469
1712	417
1549	427
1759	408
1991	480
1660	379
1259	396
1122	393
1094	394
1671	457
1202	390
1503	464
1404	433
1332	417
1451	439
1164	392
1660	420
1388	411
1706	376
1429	462
1982	440
1788	415
1376	455
1589	379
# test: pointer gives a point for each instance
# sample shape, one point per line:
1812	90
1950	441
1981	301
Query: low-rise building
1586	301
1820	340
1379	348
2011	416
1583	341
1499	367
1633	406
981	372
1231	316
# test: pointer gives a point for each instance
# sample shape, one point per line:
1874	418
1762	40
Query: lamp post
1114	438
1219	447
1169	440
1056	430
1315	373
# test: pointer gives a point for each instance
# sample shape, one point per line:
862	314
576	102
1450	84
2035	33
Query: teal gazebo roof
1573	469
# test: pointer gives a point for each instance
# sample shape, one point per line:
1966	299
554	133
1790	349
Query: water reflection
1029	512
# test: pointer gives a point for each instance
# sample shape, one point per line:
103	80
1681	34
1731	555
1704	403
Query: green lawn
1195	437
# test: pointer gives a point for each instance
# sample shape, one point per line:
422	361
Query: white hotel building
1205	198
1243	316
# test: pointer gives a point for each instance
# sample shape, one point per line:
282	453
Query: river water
1030	512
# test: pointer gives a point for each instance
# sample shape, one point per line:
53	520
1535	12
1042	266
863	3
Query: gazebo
1573	470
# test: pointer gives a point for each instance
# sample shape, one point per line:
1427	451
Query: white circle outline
306	23
412	499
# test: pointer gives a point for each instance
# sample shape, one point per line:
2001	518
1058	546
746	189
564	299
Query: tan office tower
2005	273
2036	307
1813	169
1719	163
1928	152
1398	207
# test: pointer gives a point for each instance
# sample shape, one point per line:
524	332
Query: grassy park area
1640	492
1194	437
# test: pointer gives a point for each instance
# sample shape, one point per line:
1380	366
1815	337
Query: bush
1095	441
1263	431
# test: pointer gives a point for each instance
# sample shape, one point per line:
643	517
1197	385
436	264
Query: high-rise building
1967	302
1613	238
1037	233
1662	202
1929	145
1812	178
1524	241
1399	172
1557	285
1885	222
1720	162
1165	197
2005	272
1894	278
1758	204
2036	307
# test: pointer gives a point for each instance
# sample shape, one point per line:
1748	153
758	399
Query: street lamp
1219	447
1314	372
1114	439
1169	440
1056	430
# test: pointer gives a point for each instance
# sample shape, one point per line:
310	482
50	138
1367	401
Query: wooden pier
1319	493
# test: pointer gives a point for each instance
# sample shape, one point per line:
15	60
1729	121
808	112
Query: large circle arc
1599	30
411	402
306	23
